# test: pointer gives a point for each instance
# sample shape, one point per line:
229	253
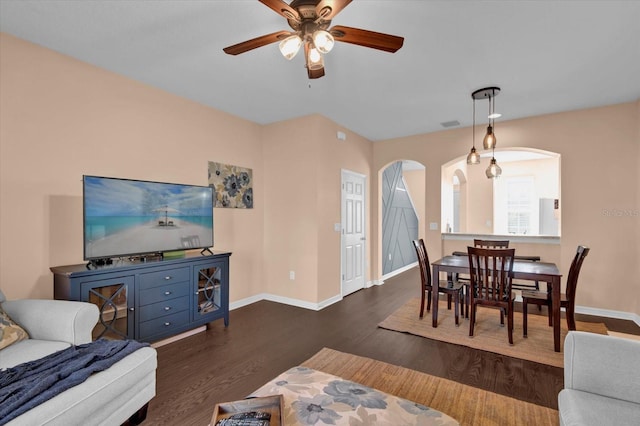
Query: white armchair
601	381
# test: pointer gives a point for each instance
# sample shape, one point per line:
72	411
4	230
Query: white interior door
353	232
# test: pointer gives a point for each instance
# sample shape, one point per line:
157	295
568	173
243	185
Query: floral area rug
467	404
313	397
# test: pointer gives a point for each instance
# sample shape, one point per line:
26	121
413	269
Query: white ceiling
547	56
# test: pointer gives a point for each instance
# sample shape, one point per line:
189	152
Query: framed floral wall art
232	186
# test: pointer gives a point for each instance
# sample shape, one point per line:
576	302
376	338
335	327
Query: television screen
124	217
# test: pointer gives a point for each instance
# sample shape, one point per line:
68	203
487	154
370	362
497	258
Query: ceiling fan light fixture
290	46
323	41
314	59
310	21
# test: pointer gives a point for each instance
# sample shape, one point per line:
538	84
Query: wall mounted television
125	217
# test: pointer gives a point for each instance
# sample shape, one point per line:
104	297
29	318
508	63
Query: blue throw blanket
27	385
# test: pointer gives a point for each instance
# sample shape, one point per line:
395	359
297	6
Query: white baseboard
608	313
330	301
285	300
373	282
177	337
399	271
246	301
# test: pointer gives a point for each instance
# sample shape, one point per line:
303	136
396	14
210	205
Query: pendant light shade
489	141
493	171
473	157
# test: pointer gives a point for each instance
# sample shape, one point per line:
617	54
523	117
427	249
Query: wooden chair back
491	243
574	272
423	262
490	271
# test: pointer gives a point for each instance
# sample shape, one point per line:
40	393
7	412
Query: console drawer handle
167	308
166	293
167	324
167	277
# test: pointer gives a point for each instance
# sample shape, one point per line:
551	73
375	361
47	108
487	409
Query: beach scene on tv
126	217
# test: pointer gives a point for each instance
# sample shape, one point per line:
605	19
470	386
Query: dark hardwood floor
266	338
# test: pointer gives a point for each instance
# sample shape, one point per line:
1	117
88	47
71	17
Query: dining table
522	270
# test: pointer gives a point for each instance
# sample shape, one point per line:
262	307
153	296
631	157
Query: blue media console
150	300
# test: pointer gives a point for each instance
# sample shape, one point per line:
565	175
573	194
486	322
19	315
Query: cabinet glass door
208	297
114	303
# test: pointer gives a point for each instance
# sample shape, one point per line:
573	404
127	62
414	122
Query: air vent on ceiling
452	123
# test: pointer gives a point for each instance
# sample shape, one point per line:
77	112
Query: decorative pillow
10	332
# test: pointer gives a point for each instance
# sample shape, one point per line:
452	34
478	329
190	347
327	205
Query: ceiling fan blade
327	9
254	43
372	39
282	8
315	73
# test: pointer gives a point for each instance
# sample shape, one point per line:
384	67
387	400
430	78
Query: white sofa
110	397
601	381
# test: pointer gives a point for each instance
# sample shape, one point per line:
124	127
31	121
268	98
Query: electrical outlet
292	275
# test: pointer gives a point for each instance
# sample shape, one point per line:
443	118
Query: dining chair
567	299
505	244
450	288
490	243
491	271
465	279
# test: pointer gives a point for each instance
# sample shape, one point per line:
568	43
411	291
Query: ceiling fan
310	21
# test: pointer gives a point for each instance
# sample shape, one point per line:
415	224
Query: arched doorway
402	205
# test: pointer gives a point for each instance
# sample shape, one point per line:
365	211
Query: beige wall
303	161
599	173
61	118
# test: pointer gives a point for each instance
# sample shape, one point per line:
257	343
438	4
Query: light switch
433	226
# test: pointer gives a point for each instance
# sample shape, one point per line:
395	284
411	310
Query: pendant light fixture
473	157
493	171
489	142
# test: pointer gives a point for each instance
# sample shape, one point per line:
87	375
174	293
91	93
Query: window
520	191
